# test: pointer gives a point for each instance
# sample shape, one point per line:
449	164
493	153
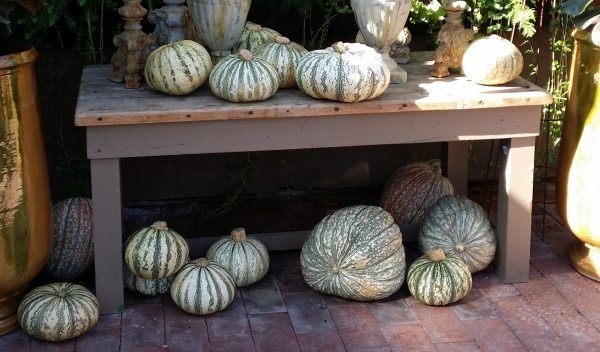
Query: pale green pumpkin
284	55
253	36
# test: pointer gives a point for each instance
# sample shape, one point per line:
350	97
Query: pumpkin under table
122	123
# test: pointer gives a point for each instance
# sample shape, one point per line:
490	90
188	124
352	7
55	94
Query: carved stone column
453	38
132	46
172	23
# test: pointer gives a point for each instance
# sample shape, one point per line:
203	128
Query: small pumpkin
492	60
253	36
242	77
356	253
348	72
58	311
459	226
149	287
438	279
156	252
245	257
202	287
72	241
178	68
412	189
284	55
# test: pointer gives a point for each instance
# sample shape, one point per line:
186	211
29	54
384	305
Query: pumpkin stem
339	47
201	262
436	255
251	26
282	40
238	235
460	247
245	54
436	165
159	225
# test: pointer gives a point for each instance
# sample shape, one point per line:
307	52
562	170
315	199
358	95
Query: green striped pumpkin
245	257
149	287
348	72
72	241
459	226
156	252
58	311
253	36
438	279
202	287
178	68
412	189
242	77
356	253
284	55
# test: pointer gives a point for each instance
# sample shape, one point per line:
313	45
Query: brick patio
557	310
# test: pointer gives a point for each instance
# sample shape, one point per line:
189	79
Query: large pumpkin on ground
202	287
156	252
438	279
72	241
245	257
348	72
459	226
412	189
356	253
178	68
58	311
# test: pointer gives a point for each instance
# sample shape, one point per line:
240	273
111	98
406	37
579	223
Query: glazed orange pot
25	205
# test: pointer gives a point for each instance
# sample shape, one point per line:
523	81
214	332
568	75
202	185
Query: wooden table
122	123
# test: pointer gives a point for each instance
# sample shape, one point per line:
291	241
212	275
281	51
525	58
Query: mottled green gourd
438	279
245	257
202	287
284	55
253	36
242	77
72	241
356	253
347	72
156	252
459	226
58	311
178	68
412	189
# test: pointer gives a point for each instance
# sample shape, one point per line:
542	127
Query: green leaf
574	7
586	19
82	2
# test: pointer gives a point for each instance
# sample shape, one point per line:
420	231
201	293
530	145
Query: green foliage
499	17
429	13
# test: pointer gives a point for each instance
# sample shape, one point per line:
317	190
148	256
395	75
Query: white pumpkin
253	36
492	60
348	72
178	68
284	55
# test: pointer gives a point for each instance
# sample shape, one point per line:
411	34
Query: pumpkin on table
202	287
254	35
242	77
178	68
72	241
459	226
492	60
284	55
438	279
412	189
356	253
348	72
245	257
156	252
58	311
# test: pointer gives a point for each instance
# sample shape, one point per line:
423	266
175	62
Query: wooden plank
306	132
102	102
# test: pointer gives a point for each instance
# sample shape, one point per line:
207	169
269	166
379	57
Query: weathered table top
102	102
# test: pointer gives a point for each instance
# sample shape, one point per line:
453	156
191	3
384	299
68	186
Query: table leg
108	256
515	193
458	165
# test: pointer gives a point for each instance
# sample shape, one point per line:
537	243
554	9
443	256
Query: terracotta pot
578	190
25	206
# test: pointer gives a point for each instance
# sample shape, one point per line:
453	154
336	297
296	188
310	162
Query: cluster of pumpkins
357	252
264	61
157	261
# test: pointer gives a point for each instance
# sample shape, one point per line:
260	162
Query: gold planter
25	206
578	189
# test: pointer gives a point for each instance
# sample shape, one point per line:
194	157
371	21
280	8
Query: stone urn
380	22
219	23
25	205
